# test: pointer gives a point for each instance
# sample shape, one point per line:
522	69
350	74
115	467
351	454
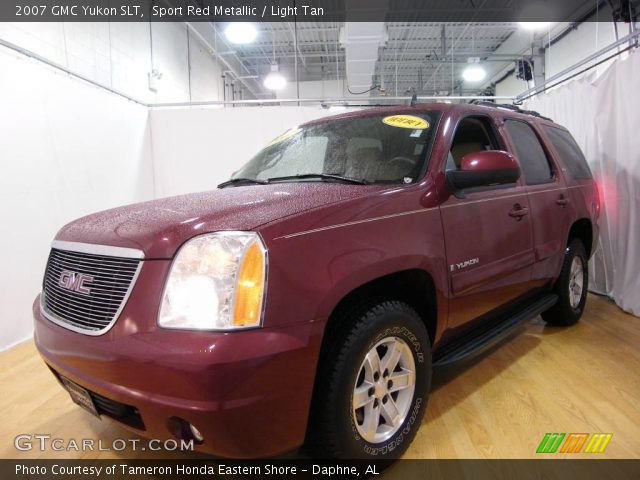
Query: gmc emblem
75	282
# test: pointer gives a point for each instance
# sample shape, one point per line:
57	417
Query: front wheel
373	385
571	287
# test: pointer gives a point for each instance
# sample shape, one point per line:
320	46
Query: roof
490	109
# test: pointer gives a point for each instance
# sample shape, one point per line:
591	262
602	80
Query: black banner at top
307	10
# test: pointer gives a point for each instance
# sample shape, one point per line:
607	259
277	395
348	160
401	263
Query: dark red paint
249	391
489	160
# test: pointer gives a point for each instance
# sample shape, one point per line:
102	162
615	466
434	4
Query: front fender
310	272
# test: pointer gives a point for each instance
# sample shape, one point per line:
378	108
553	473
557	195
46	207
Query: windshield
373	149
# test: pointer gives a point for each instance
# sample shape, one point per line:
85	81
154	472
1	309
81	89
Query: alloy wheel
384	389
576	282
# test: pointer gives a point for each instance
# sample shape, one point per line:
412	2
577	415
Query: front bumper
247	392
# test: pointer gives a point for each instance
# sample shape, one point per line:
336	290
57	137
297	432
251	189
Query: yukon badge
75	282
465	264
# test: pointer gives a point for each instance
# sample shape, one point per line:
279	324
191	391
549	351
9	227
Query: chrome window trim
94	249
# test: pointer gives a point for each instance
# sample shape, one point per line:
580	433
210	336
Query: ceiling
427	57
421	57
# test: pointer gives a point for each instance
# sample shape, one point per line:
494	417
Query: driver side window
474	134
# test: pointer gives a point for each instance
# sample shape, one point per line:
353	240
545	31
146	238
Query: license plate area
80	396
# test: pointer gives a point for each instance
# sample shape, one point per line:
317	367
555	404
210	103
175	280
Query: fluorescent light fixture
241	32
274	81
535	25
337	108
474	73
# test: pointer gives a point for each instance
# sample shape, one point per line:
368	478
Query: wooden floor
581	379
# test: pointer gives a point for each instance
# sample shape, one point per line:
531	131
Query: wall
121	56
66	149
325	89
511	86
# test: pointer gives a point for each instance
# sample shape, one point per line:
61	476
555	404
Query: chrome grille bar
107	276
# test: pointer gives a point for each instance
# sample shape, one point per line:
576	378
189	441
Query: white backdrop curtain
603	114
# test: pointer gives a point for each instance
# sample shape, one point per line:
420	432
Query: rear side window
533	159
569	153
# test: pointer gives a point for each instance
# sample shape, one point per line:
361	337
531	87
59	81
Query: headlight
216	282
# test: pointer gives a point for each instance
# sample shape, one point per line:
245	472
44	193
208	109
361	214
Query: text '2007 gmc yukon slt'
307	298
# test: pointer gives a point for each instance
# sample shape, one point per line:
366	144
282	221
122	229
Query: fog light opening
183	430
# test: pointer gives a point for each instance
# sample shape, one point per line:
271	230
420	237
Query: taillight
598	199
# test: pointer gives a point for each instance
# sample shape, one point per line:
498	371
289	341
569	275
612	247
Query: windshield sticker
416	134
406	121
286	135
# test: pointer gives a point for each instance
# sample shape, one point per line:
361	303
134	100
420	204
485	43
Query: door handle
562	200
518	212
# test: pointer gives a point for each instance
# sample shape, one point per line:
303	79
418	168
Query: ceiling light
337	108
534	25
474	73
241	32
275	81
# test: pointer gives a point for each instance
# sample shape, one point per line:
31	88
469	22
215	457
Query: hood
159	227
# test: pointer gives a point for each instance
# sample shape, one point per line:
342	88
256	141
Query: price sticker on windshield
406	121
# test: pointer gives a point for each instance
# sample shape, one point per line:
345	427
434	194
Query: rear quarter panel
585	196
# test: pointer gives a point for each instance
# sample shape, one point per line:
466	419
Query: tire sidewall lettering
412	340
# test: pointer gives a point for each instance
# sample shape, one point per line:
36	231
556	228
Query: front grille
85	292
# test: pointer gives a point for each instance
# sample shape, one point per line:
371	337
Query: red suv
308	297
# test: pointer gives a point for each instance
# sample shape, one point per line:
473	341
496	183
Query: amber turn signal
250	287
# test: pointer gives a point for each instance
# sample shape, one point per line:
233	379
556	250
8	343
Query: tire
348	374
571	287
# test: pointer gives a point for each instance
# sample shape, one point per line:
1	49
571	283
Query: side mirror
485	169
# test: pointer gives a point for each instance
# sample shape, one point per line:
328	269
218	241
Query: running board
486	336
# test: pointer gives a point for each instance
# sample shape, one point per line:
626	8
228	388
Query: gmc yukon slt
306	299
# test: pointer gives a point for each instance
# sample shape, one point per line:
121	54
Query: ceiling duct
362	41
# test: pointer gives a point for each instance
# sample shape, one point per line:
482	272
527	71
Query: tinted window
375	148
532	157
569	153
311	150
474	134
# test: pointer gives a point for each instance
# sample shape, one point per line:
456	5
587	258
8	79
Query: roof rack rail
513	108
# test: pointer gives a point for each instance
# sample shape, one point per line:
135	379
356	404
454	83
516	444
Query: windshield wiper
241	181
322	176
